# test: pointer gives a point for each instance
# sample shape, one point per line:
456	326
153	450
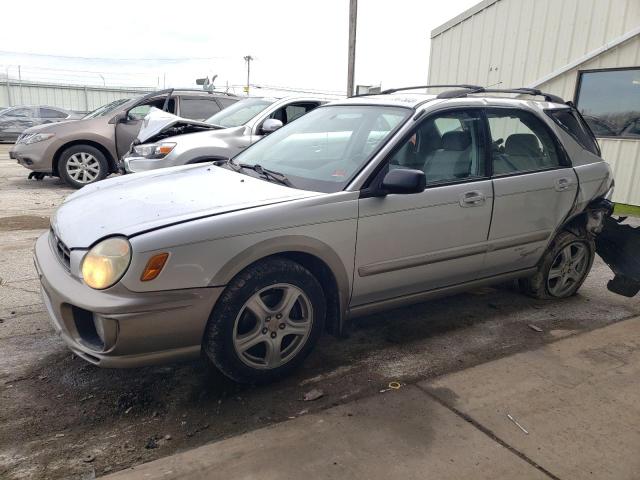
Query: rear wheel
563	268
82	165
266	322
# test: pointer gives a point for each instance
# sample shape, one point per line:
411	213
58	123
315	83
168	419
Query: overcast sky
295	43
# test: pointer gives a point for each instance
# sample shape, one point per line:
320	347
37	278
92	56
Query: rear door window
51	113
576	127
520	142
198	108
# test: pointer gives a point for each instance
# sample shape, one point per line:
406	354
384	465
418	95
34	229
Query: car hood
160	124
137	203
53	127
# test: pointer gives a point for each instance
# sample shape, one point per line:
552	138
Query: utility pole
248	59
353	20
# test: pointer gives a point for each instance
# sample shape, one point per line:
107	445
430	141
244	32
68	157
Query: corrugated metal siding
624	55
65	96
518	42
624	158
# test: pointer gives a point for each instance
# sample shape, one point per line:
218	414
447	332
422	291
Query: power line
175	59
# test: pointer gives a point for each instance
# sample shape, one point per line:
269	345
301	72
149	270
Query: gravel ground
64	418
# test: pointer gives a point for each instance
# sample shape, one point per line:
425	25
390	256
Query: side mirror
270	125
118	118
404	181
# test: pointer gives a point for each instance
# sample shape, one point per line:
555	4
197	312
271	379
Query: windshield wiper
267	174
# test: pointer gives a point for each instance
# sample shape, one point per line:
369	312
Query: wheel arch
320	259
92	143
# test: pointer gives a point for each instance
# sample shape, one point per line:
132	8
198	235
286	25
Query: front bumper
36	156
117	327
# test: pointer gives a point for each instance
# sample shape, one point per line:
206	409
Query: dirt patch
23	222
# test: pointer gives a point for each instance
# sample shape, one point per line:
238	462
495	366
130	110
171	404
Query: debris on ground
535	328
88	458
516	422
312	395
392	386
151	443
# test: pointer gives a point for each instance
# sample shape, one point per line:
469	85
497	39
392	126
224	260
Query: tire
239	341
556	277
82	165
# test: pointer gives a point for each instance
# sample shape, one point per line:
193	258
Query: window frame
258	128
576	94
372	184
564	160
571	109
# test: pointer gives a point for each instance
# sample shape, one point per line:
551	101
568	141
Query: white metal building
587	51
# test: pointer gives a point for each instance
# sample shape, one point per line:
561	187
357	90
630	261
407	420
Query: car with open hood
166	140
362	205
85	151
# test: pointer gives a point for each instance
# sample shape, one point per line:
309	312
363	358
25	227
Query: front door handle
473	198
562	184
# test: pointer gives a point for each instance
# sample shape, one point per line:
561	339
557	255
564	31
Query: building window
609	100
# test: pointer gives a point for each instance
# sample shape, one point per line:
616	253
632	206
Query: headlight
106	263
154	150
38	137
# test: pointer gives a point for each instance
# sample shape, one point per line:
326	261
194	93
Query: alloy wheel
272	326
567	269
83	167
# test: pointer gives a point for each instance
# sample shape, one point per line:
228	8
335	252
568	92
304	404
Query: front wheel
81	165
563	268
266	322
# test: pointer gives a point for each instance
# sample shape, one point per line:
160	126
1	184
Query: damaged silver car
361	205
166	140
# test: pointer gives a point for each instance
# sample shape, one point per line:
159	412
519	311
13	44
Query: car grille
63	252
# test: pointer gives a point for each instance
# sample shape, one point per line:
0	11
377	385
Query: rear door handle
473	198
562	184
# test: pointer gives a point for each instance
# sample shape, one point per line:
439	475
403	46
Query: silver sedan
359	206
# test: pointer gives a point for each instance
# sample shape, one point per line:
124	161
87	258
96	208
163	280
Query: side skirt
397	302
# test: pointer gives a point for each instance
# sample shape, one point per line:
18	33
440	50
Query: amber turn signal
154	267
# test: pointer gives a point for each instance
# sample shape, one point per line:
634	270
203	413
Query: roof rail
400	89
394	90
549	97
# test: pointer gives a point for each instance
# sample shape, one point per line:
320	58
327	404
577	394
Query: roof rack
401	89
394	90
549	97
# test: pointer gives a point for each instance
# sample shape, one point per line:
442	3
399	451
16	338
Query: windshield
104	109
240	112
325	149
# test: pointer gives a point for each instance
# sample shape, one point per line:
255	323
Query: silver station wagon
364	204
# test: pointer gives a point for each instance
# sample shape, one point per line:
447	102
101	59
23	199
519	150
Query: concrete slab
399	434
579	399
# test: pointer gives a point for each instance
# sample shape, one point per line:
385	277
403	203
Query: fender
289	244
